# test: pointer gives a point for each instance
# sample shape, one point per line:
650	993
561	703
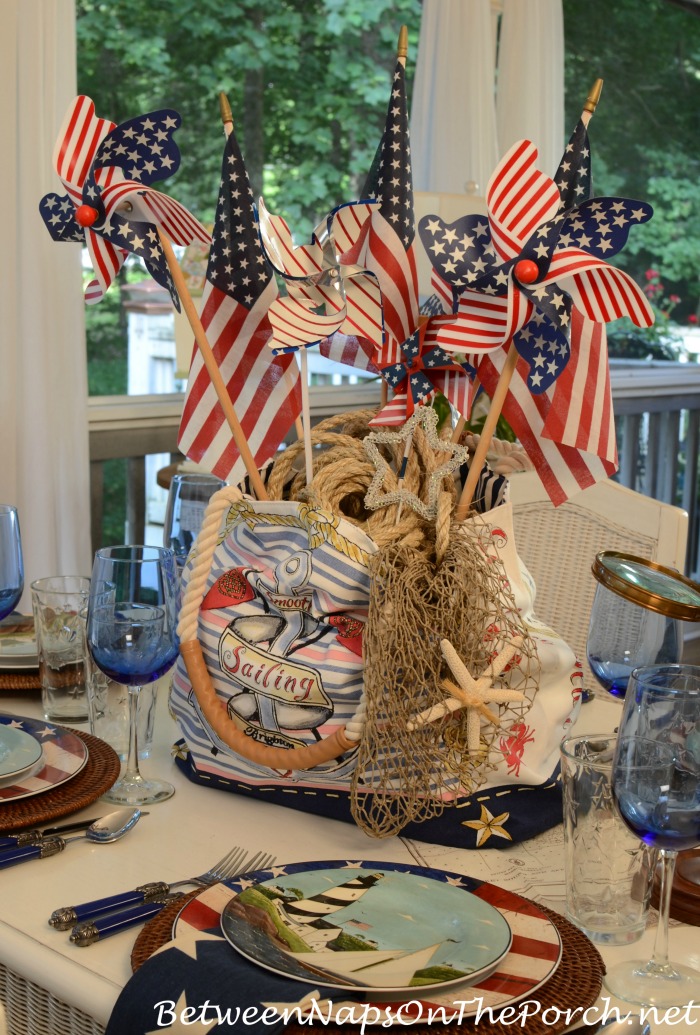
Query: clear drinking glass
187	500
58	603
131	627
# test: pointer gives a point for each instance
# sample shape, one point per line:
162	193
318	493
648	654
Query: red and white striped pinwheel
327	290
532	258
110	206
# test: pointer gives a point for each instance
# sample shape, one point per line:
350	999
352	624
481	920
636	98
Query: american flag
265	390
569	431
389	250
573	177
108	167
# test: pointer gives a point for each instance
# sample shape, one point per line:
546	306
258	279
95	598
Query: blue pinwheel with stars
517	273
423	370
110	205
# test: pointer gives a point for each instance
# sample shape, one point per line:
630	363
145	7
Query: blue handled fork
153	893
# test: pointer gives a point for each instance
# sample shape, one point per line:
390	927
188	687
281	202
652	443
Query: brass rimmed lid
648	584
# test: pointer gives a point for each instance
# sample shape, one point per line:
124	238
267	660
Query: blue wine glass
636	617
132	636
656	786
11	563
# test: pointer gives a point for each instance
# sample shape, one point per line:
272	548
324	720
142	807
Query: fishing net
430	581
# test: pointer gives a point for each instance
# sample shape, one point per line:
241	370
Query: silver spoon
104	830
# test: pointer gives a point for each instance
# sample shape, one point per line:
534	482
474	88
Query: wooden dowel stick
499	397
212	367
459	428
306	415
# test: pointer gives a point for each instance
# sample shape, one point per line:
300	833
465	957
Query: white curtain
453	118
530	94
472	100
44	464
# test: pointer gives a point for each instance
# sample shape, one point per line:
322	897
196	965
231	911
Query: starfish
471	693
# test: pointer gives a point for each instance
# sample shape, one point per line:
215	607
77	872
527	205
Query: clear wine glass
131	630
656	787
184	512
11	563
636	618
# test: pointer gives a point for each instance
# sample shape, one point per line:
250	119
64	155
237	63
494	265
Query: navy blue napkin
203	976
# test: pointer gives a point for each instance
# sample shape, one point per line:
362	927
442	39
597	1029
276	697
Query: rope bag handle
343	739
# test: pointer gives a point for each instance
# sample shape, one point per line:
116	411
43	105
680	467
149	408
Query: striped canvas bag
269	694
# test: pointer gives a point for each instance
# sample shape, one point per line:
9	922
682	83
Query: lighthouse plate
374	927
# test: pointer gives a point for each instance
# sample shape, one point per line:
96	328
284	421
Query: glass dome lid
648	584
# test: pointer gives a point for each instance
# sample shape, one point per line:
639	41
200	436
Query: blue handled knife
67	916
91	931
41	850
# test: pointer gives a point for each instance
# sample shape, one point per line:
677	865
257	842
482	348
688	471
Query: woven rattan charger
576	982
98	774
20	681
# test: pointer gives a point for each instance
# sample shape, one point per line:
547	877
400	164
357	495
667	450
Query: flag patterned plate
532	959
64	754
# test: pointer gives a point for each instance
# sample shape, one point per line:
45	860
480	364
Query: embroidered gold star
488	825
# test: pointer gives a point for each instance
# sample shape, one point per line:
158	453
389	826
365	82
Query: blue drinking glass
656	787
636	618
132	636
11	563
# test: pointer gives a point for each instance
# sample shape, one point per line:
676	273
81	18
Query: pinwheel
110	206
423	370
528	259
329	290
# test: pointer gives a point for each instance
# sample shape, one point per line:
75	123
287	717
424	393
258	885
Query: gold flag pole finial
402	48
225	109
593	96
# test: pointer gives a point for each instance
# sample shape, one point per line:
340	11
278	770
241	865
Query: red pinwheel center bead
526	271
86	215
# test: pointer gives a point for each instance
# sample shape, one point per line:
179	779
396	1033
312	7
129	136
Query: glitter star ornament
427	418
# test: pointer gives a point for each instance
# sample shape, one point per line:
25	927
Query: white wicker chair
558	545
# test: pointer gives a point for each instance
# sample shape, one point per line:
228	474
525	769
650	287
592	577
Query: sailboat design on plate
384	969
366	927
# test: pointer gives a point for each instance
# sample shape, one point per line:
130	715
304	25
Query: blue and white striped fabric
281	628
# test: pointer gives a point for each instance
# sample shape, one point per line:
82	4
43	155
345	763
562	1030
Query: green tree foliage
308	82
644	133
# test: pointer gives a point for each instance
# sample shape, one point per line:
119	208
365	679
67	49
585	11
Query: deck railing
657	413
